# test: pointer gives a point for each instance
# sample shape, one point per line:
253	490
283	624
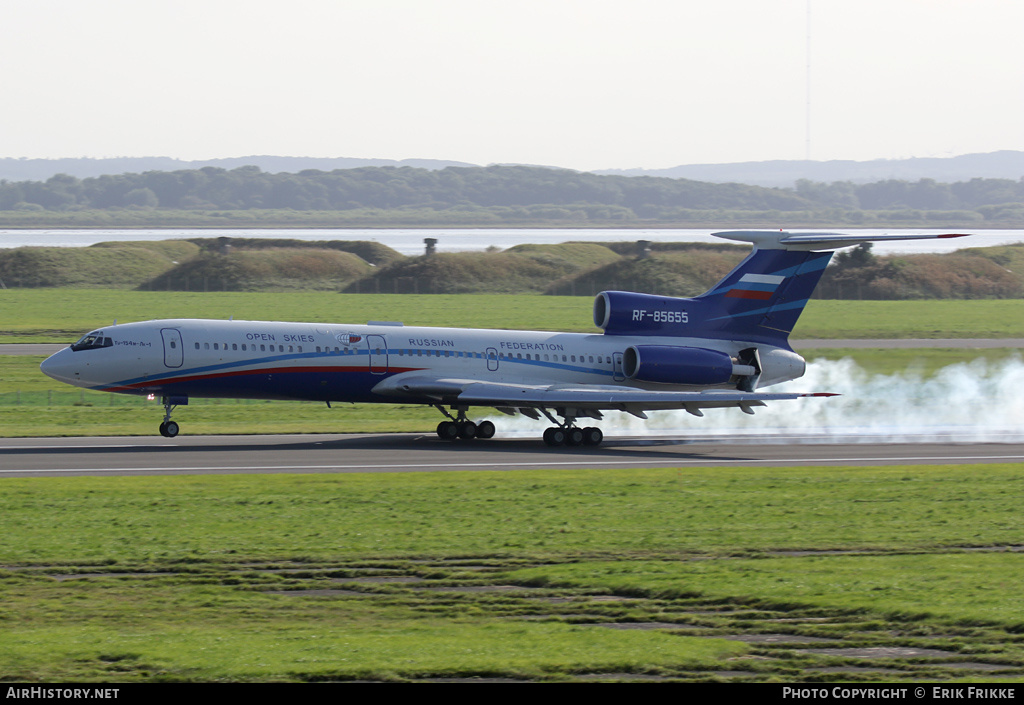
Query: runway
362	453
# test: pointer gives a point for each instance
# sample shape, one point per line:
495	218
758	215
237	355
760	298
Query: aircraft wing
590	397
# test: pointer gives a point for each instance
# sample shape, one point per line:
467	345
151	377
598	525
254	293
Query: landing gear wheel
169	429
592	436
574	437
461	427
554	436
447	430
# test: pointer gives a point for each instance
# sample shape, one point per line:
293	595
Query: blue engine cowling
629	313
671	364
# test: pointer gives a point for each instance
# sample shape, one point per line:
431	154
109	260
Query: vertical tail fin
759	301
764	296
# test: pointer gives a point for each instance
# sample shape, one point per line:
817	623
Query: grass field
803	575
533	575
920	361
63	315
986	318
963	588
60	315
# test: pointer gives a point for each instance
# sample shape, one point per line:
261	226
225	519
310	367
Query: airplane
712	351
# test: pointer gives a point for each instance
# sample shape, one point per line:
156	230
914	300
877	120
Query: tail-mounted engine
672	364
628	313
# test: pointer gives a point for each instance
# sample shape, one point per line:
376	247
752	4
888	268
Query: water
409	241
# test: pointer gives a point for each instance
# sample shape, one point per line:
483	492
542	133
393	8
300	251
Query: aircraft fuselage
356	363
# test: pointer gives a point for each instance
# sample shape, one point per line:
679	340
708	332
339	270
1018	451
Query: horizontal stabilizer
781	240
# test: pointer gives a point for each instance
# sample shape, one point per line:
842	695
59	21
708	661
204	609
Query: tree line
494	187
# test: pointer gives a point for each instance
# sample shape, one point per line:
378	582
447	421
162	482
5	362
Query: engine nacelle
672	364
628	313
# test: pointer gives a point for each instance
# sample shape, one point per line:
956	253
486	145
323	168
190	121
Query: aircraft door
617	367
492	359
173	348
378	348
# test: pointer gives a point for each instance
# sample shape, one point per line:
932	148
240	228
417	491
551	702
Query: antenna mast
807	121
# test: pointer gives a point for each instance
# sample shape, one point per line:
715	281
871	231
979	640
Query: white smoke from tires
976	401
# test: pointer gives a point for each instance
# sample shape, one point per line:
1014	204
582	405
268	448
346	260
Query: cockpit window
92	341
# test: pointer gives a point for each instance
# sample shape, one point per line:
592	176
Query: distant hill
43	169
779	174
993	165
510	196
565	269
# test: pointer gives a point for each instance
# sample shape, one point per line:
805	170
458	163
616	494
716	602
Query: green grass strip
565	513
62	315
965	588
202	607
279	647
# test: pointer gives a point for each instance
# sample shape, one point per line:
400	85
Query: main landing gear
568	433
461	427
450	430
573	436
563	433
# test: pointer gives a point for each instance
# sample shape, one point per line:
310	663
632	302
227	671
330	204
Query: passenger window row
599	359
247	347
263	347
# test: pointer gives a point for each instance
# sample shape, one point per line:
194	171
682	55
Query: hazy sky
585	84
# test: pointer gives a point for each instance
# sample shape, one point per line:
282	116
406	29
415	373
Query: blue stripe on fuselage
206	369
233	378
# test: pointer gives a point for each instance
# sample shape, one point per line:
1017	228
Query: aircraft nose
61	367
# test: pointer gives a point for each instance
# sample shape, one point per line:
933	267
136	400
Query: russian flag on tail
755	286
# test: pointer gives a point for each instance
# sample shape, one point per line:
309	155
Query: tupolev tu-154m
715	350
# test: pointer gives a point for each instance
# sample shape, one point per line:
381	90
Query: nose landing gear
169	429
